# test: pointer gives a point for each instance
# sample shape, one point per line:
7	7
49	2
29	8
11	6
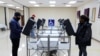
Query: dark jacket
84	34
15	29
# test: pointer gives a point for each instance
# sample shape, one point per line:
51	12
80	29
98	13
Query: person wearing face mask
83	35
33	17
15	33
33	30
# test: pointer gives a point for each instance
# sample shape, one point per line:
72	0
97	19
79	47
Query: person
15	33
32	17
83	35
32	32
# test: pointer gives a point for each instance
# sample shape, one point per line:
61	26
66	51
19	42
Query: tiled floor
93	50
5	46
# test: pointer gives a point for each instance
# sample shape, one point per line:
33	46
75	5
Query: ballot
68	28
28	27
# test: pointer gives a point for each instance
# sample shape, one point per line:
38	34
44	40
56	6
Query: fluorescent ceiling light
72	2
17	7
36	5
52	5
10	5
52	2
32	2
1	2
68	5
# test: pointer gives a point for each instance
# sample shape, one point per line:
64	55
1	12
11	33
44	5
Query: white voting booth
51	38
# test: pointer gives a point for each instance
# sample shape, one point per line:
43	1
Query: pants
82	50
15	46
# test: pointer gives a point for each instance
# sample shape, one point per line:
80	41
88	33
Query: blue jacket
15	29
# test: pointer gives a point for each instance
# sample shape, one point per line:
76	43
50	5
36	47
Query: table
50	41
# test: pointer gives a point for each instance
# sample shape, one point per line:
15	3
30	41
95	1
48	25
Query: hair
85	18
17	14
33	15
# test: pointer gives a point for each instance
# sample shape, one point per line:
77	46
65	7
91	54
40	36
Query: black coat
84	34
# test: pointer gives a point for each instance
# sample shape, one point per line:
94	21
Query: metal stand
48	44
69	51
27	45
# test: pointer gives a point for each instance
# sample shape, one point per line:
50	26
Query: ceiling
42	3
45	3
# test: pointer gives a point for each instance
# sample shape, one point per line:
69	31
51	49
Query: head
33	16
83	19
17	16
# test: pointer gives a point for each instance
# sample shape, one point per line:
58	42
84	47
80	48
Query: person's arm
14	28
75	33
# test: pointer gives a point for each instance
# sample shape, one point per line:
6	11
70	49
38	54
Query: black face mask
17	18
32	18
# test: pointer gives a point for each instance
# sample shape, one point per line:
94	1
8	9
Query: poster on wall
86	12
93	14
99	13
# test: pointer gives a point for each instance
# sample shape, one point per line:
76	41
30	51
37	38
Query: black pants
82	50
15	46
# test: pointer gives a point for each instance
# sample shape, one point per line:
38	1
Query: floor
5	46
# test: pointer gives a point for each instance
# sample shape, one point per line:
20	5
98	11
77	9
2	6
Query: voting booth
51	40
28	27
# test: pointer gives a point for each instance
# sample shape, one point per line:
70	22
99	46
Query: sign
51	22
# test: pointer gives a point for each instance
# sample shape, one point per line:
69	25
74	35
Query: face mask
17	18
32	18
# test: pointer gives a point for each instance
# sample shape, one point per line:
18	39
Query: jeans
32	33
15	46
82	50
